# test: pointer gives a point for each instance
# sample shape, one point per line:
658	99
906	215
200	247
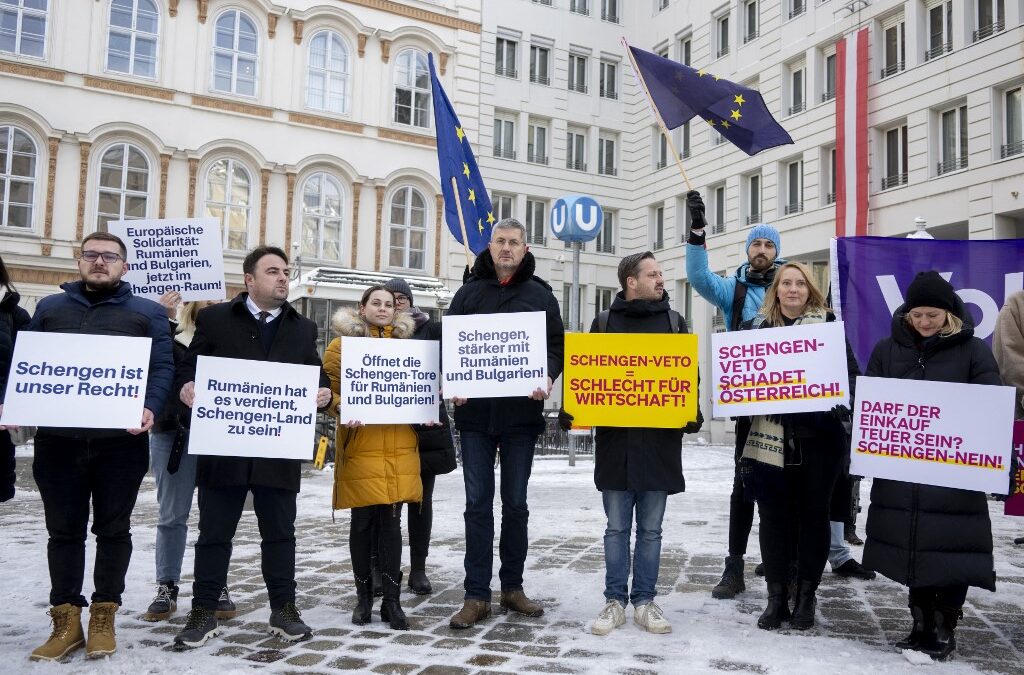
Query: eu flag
455	160
737	113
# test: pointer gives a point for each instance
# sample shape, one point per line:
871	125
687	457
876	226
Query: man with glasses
502	280
74	466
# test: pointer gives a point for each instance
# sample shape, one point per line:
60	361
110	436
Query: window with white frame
23	27
579	7
940	28
18	161
567	303
540	59
578	73
407	229
132	37
502	205
686	51
1013	130
751	28
660	145
322	200
753	185
952	139
122	190
722	35
991	18
610	10
575	150
662	52
535	216
657	228
229	200
603	299
235	51
681	208
828	89
894	46
797	93
412	89
895	160
506	52
684	136
831	157
661	4
328	73
537	143
796	8
504	137
718	209
606	237
794	195
606	163
609	73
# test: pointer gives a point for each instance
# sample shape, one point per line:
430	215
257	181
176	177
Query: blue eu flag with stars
681	93
455	160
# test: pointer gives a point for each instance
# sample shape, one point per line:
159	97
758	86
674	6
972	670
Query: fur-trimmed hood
346	322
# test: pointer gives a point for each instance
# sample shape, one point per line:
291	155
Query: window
502	205
1012	114
540	57
661	4
504	138
750	18
684	132
718	203
229	200
686	51
606	156
23	27
831	156
754	199
991	18
894	47
321	217
895	157
567	303
603	299
794	188
606	237
408	230
657	225
17	177
796	89
535	231
940	29
327	78
684	303
722	33
953	140
412	89
578	73
131	40
575	157
234	54
542	2
123	186
829	92
608	84
579	7
505	57
796	8
610	10
537	143
660	144
662	52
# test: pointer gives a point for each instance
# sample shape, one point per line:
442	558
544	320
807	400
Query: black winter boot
803	615
732	579
777	610
921	607
378	583
363	612
942	642
390	608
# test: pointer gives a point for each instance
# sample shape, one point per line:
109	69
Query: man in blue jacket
74	467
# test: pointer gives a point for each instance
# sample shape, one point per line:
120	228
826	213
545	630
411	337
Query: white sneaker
611	617
651	618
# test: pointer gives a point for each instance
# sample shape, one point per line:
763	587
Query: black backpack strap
677	321
739	296
602	321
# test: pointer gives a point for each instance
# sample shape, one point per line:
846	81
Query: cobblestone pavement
869	614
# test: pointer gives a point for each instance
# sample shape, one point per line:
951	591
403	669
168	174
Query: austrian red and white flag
852	135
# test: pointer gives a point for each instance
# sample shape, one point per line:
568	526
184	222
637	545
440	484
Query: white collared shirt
274	313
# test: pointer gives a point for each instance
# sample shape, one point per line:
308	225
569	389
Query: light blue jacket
718	290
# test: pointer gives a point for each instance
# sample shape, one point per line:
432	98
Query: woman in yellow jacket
377	467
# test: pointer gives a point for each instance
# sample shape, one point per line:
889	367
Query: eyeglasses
401	298
93	256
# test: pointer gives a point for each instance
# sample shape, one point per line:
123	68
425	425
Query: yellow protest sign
631	379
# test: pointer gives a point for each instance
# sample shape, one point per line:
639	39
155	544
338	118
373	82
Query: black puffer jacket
12	319
924	535
639	459
484	294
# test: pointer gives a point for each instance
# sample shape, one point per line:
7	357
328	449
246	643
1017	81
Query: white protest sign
253	409
389	381
493	355
935	433
774	371
77	380
176	254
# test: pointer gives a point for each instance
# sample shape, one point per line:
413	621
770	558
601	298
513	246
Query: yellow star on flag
479	226
725	123
711	122
717	78
472	195
490	218
738	99
465	169
701	72
736	115
460	133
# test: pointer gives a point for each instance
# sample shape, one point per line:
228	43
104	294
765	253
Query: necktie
264	317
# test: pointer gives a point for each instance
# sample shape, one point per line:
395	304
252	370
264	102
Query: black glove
841	414
696	206
564	420
694	427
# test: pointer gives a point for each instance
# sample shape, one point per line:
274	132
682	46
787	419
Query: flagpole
462	222
657	115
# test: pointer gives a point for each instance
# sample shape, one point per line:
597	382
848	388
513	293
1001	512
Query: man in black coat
257	325
502	281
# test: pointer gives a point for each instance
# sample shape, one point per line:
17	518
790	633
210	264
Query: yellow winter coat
376	463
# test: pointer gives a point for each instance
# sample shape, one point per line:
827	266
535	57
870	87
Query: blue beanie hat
765	231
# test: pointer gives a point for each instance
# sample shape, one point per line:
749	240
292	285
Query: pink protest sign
1015	502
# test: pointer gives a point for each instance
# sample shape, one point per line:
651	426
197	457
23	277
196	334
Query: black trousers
376	527
948	597
794	512
70	473
219	511
421	520
741	511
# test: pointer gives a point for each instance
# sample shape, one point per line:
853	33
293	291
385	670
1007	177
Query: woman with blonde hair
377	466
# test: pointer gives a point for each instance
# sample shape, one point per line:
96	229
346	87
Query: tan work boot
518	602
66	637
472	612
101	630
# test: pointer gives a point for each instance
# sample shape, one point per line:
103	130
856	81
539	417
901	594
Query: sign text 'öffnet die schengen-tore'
494	355
388	381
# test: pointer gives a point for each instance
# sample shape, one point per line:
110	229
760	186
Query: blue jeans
478	454
174	497
650	510
838	552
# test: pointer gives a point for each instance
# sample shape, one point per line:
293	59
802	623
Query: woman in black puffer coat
12	319
936	540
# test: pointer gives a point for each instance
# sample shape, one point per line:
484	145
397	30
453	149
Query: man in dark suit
257	325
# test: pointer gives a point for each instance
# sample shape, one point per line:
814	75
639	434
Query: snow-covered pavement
857	621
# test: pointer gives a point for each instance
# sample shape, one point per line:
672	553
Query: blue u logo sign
576	218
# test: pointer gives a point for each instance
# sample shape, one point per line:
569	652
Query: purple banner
870	276
1015	502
